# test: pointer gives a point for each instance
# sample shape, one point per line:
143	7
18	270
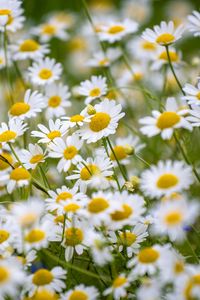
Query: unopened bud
129	186
135	181
129	149
91	110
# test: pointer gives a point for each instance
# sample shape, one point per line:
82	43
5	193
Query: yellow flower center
98	205
127	238
7	136
179	267
167	120
54	101
173	56
42	277
124	213
20	174
99	121
165	39
5	12
192	282
173	218
89	171
19	109
167	181
71	207
119	281
4	274
198	95
59	219
28	219
120	153
4	235
36	158
76	118
103	62
70	152
78	295
29	46
64	196
1	61
53	134
95	92
48	29
73	236
148	46
138	76
44	295
35	235
116	29
45	74
4	165
148	255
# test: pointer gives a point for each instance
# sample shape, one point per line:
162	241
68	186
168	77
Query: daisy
94	88
115	31
164	123
164	35
150	289
160	58
57	99
17	177
28	49
192	93
32	104
194	116
8	157
56	129
32	157
67	151
81	292
119	286
9	133
49	30
194	23
142	49
103	123
11	15
76	120
53	280
101	59
44	293
45	71
10	236
166	178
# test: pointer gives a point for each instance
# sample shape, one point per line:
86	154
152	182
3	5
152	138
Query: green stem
143	161
44	178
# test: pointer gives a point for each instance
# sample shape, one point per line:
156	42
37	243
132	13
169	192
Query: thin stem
44	177
143	161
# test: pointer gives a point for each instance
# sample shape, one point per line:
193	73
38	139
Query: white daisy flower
28	49
9	133
164	123
76	120
103	123
67	151
194	116
81	292
45	71
149	290
32	104
160	58
165	178
101	59
11	15
43	293
194	23
10	236
142	49
56	129
32	157
115	31
94	88
119	286
16	178
192	93
49	30
164	35
57	99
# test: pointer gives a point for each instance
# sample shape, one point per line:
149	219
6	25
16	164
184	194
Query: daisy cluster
99	154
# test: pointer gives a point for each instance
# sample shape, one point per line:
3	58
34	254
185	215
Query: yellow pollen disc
99	121
127	238
73	236
98	205
165	39
44	294
198	95
173	56
53	134
5	12
29	46
49	29
36	158
54	101
89	171
192	282
8	157
1	61
120	153
137	76
119	281
45	74
167	120
4	235
148	255
72	207
7	136
59	219
148	46
4	274
35	235
95	92
173	218
28	219
104	62
70	152
76	118
64	196
78	295
124	213
179	267
42	277
19	109
167	181
20	174
116	29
